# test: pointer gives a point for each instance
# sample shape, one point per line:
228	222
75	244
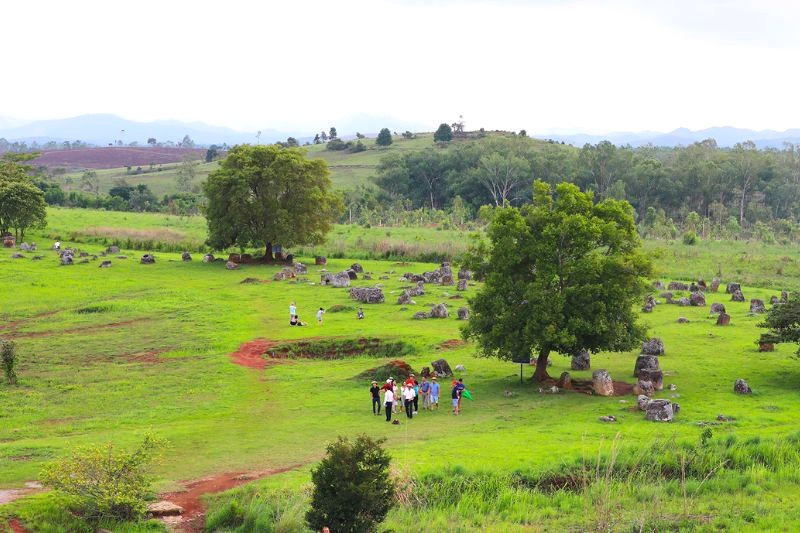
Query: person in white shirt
408	395
388	400
292	310
319	316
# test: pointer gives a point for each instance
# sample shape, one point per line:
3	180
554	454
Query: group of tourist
408	393
294	319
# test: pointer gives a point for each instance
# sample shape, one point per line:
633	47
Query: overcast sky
546	66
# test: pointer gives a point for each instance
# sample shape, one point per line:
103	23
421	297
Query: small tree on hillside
8	358
562	275
187	171
333	134
443	134
265	195
783	322
352	488
384	138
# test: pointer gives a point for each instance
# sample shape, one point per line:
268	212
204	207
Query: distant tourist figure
292	309
295	321
397	395
425	391
375	391
319	316
360	314
458	388
57	246
408	397
412	381
388	401
434	393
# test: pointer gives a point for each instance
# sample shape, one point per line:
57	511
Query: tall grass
665	485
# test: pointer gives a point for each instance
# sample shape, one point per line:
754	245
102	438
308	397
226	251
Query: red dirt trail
16	526
250	354
193	518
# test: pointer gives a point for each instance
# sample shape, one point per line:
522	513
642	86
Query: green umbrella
465	393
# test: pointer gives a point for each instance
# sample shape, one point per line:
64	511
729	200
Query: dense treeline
703	188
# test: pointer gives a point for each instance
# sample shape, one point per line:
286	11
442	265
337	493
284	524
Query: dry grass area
153	234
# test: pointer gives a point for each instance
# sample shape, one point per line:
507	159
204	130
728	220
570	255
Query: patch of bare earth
82	329
451	344
193	517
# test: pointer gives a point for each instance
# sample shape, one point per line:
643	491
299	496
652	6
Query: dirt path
16	526
250	354
113	325
193	518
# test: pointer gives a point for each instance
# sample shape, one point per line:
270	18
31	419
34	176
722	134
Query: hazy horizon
543	66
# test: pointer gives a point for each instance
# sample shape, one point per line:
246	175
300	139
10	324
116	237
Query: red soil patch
81	329
192	518
250	354
16	526
451	344
115	157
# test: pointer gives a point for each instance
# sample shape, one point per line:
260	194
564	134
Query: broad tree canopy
22	204
561	274
265	195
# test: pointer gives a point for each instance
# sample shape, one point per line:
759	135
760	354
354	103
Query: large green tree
384	138
22	204
561	274
265	195
443	134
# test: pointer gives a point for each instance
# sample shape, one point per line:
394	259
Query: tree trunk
268	253
541	365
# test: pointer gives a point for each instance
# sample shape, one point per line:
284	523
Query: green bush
337	144
690	238
103	485
8	357
352	488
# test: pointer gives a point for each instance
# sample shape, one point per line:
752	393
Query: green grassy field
107	355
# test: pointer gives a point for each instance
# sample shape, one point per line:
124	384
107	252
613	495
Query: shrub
690	238
103	485
357	147
337	144
8	355
352	489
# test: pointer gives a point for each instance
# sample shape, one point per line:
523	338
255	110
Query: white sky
544	65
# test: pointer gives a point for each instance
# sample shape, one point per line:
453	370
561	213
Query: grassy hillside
161	181
109	354
348	170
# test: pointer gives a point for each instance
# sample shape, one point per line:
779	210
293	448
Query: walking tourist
388	400
434	393
375	391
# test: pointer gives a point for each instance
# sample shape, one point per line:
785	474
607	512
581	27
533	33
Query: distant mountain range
105	129
725	137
